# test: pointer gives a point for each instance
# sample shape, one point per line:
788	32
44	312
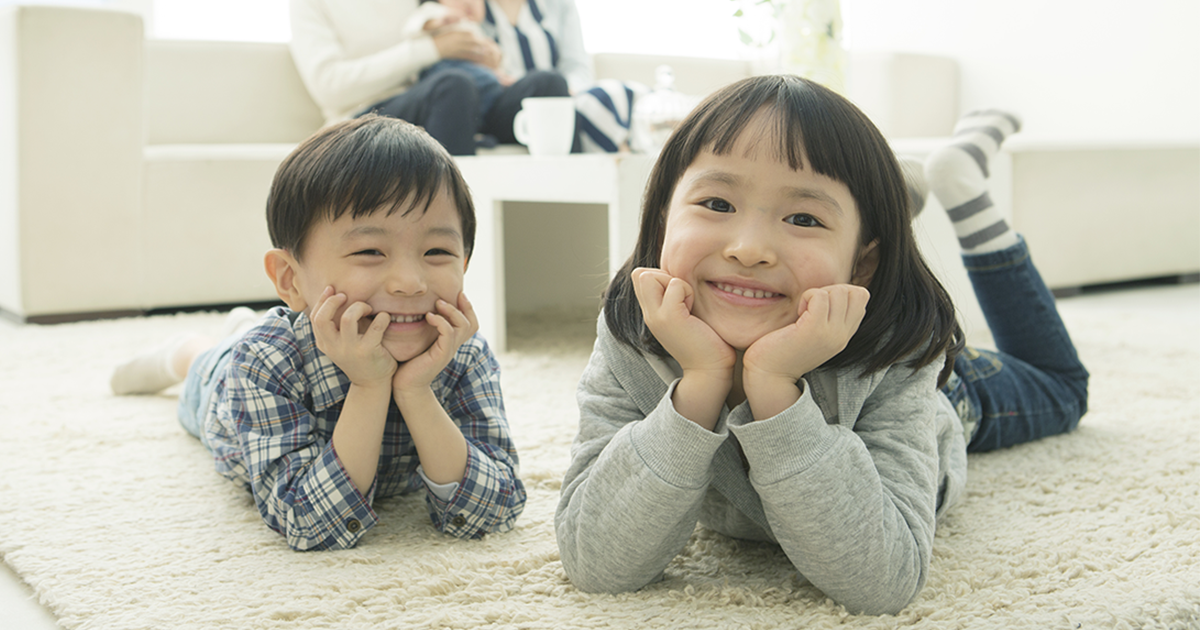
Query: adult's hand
456	44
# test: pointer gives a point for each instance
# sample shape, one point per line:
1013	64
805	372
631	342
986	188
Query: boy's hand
353	347
455	326
828	318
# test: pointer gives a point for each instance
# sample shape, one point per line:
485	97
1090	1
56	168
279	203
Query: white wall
1074	69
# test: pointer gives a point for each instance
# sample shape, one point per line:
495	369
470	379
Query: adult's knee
453	86
547	83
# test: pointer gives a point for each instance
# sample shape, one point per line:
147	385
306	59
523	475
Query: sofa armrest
72	129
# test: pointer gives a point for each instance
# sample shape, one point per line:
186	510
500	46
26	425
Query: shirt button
353	525
458	521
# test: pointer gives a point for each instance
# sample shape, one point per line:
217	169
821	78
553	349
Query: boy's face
469	9
395	263
750	236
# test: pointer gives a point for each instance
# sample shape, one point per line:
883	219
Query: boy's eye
368	252
803	220
717	205
438	252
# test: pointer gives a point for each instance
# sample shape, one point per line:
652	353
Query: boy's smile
750	236
395	263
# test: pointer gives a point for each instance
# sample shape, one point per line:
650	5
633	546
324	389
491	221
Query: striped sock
957	175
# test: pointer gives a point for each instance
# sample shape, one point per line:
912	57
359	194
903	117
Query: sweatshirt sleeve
338	83
632	493
854	508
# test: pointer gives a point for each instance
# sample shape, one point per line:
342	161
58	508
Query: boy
372	381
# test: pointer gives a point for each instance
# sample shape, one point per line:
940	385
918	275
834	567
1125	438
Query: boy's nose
405	280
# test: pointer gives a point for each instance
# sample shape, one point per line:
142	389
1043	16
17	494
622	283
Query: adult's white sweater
352	54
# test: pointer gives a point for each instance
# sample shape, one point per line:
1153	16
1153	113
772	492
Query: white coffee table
616	181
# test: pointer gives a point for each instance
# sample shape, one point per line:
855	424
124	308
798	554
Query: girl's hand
706	359
353	347
828	318
666	303
455	326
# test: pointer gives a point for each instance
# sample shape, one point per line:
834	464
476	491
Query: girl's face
750	235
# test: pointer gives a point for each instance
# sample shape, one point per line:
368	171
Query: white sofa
133	172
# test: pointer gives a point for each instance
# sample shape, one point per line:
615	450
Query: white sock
151	371
238	321
957	175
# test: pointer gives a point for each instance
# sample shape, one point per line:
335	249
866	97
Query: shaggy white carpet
116	519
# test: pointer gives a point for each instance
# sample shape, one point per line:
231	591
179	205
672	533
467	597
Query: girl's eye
803	220
717	205
368	252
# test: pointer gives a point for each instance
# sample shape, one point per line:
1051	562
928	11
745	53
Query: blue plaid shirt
270	427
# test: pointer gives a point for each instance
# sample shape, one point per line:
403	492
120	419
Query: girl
740	378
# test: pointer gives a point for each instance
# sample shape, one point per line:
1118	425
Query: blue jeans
200	385
485	80
1035	385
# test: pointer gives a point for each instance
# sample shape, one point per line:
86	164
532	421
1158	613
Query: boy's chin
407	350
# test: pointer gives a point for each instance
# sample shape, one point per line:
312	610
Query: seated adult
540	35
355	58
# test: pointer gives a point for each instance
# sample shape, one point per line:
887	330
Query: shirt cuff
443	491
786	444
676	449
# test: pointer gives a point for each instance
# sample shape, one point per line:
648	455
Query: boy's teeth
407	319
745	292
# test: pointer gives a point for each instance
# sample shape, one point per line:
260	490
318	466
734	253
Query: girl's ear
864	267
282	268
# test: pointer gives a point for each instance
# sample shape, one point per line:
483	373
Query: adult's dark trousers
446	104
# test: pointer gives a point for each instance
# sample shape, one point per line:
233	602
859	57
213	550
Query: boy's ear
864	267
282	268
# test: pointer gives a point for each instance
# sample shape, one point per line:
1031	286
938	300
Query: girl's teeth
407	319
746	292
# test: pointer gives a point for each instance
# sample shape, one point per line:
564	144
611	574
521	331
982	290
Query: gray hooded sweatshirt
849	480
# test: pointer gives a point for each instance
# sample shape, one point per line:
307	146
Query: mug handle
521	127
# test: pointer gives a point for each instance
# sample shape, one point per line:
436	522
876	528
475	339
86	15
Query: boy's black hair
362	166
909	310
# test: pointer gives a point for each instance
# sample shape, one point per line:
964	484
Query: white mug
546	124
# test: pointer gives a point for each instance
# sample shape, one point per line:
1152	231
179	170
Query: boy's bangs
380	175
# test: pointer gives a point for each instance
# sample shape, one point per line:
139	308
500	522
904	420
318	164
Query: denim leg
200	385
1034	386
445	103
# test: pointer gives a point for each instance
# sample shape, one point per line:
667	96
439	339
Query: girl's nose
750	247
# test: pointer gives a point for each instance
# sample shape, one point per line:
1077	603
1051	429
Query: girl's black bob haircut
910	314
362	166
